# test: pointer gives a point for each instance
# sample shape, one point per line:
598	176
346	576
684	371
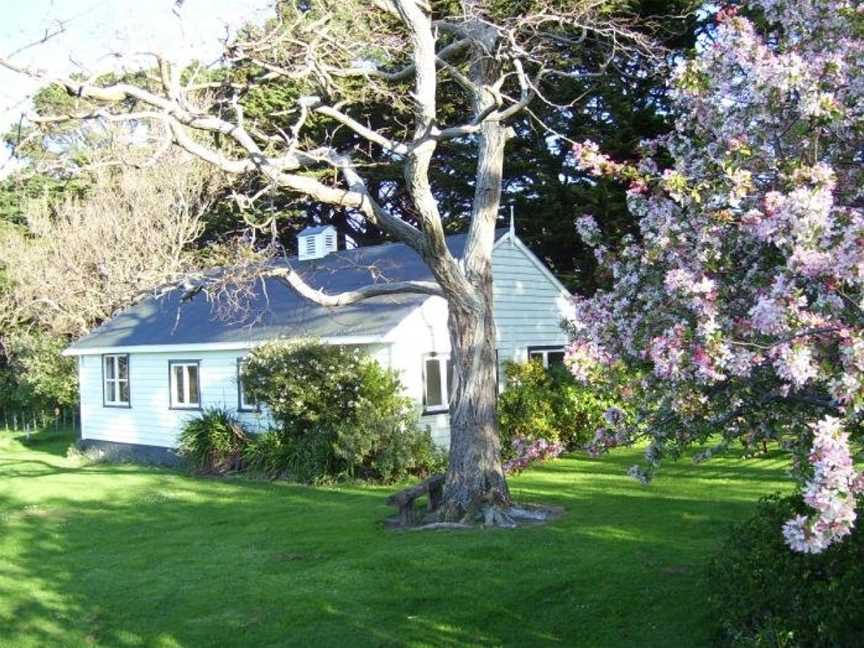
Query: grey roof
280	312
309	231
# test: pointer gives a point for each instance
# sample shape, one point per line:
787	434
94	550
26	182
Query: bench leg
406	515
436	495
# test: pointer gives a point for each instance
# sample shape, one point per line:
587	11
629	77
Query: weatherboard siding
424	331
529	305
149	419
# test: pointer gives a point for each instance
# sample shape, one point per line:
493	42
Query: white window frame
114	358
543	352
242	404
443	372
311	245
172	391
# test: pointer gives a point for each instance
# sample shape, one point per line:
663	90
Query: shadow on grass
127	556
50	440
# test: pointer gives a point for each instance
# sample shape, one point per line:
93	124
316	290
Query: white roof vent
316	242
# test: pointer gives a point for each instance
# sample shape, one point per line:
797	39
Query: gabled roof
278	311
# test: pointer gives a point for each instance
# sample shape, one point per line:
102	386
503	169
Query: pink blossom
667	353
588	229
768	316
530	451
795	364
830	491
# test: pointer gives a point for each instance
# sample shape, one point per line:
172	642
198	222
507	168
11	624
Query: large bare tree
451	71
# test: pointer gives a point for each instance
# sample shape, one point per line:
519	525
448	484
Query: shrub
277	455
214	442
766	595
548	404
387	445
338	414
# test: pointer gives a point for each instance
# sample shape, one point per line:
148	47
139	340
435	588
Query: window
310	246
115	376
185	384
437	379
547	356
244	403
329	242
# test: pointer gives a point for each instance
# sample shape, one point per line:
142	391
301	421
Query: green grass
120	556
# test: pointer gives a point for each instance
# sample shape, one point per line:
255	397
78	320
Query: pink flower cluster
589	157
742	295
668	352
528	451
605	439
830	492
588	229
583	357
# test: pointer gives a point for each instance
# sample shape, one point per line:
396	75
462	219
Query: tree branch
290	277
416	169
443	55
371	135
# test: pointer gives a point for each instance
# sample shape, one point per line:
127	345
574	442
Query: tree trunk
475	479
475	484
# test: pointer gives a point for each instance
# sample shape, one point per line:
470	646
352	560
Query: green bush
764	594
387	445
338	414
548	404
37	376
276	455
214	442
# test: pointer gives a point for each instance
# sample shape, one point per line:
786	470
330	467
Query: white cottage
156	364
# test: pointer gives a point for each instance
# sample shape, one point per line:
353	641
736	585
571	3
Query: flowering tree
741	304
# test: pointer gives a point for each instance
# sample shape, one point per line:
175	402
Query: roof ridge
294	257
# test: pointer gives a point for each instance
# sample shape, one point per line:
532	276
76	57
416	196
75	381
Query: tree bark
475	482
475	478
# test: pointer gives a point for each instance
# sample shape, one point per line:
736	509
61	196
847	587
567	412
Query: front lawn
134	556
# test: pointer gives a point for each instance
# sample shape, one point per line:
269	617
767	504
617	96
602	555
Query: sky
95	29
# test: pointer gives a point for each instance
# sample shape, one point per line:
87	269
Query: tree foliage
761	594
742	295
78	251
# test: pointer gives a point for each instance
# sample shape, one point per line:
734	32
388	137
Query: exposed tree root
485	516
440	525
492	509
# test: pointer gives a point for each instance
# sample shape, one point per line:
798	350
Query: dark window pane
109	367
123	367
193	384
245	401
556	358
536	355
178	385
109	391
124	391
433	383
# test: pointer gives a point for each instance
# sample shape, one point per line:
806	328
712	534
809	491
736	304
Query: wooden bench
404	499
